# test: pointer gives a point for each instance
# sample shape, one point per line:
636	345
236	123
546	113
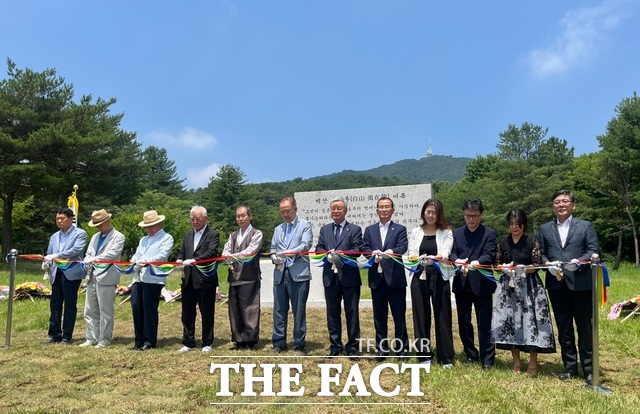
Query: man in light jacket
105	246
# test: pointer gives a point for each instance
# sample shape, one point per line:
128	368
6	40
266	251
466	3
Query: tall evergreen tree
48	143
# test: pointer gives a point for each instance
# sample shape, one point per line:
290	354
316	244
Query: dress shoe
380	356
334	352
300	350
401	354
135	348
237	347
279	349
567	375
353	355
146	347
86	344
66	342
589	379
470	361
51	340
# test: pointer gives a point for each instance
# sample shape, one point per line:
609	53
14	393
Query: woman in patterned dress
521	319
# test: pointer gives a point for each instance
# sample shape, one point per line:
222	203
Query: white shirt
563	229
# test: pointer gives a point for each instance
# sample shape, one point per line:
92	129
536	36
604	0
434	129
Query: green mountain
423	170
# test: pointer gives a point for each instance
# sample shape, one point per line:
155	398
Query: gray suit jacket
300	240
110	250
581	243
71	250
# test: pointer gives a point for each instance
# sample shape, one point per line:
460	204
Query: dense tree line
49	142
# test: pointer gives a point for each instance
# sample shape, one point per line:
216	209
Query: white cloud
187	138
200	177
582	34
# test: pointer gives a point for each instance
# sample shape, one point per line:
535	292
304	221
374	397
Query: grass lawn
56	379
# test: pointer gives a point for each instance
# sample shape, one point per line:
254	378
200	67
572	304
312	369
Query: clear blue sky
285	89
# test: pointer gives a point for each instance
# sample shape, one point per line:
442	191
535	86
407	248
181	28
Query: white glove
387	254
88	260
188	262
50	257
506	266
460	261
473	264
576	261
276	259
573	265
333	257
520	270
229	261
428	260
137	267
554	270
46	265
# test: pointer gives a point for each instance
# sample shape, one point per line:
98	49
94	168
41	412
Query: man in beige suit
106	245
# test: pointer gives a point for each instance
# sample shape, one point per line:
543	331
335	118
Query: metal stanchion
595	307
13	255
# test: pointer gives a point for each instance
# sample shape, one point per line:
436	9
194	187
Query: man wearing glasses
200	243
567	243
474	245
387	279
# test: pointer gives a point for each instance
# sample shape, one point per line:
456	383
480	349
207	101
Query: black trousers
205	300
64	294
244	313
334	294
483	305
434	290
568	307
145	298
382	298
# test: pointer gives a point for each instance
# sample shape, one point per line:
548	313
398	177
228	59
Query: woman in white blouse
431	242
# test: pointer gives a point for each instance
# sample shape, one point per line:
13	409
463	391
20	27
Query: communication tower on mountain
429	150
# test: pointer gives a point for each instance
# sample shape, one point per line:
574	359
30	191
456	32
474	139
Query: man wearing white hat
105	246
145	291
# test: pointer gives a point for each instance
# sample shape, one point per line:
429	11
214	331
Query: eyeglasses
197	218
384	207
562	202
241	216
472	216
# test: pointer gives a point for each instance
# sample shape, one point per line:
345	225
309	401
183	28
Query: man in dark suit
474	245
566	242
341	282
387	279
200	243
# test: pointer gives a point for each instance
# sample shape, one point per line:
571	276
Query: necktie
337	232
287	237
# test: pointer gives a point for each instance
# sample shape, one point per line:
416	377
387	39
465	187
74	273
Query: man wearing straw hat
200	243
68	244
105	246
145	291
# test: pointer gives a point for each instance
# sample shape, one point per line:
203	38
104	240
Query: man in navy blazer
67	243
341	282
473	245
567	241
291	276
200	243
387	279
